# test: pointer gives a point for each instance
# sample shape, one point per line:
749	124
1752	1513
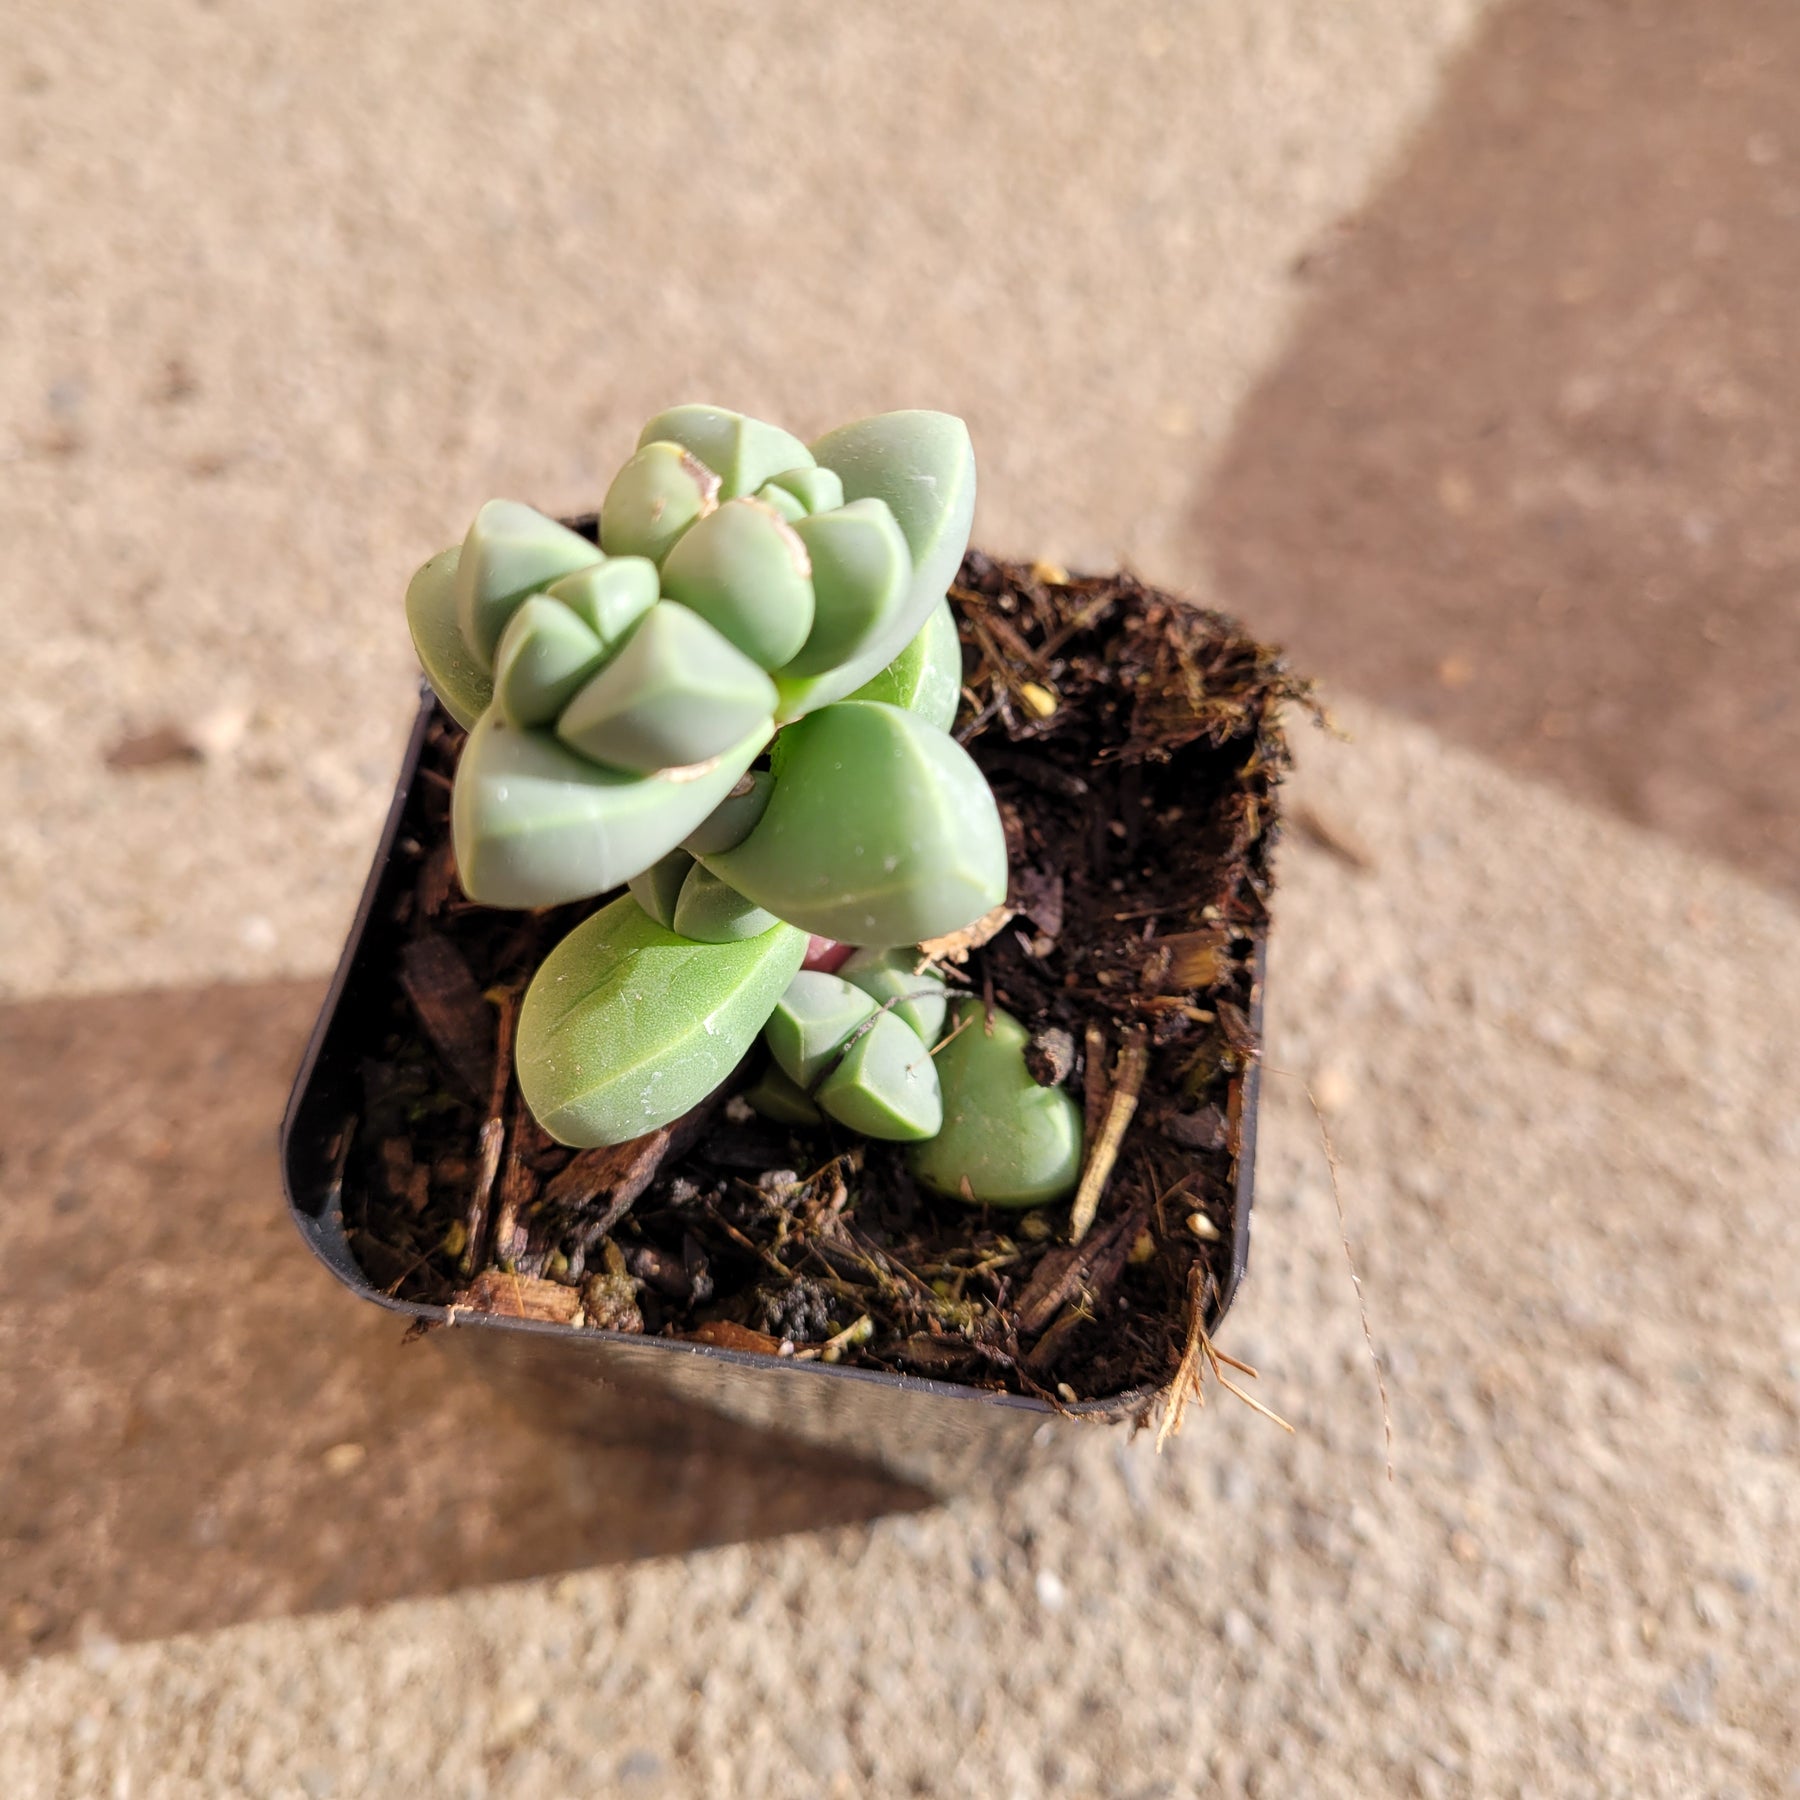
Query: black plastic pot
936	1434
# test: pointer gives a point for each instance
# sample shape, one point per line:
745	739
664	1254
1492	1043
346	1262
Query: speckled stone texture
290	293
287	295
1547	1044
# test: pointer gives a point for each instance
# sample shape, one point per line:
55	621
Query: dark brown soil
1135	746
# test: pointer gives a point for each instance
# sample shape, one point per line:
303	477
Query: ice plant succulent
736	705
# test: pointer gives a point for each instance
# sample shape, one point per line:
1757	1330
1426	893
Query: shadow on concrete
1528	468
201	1427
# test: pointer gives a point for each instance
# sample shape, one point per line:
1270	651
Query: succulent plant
746	595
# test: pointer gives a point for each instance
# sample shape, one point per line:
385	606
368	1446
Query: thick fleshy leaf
880	831
676	694
745	452
712	913
610	597
818	490
744	571
926	677
626	1026
512	550
923	465
885	1085
780	1100
1013	1142
782	501
812	1022
456	677
536	825
860	576
658	888
545	656
653	499
894	975
735	817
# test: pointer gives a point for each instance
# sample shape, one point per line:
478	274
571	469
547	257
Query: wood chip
612	1176
1062	1274
722	1334
1189	961
955	946
494	1291
1128	1083
449	1005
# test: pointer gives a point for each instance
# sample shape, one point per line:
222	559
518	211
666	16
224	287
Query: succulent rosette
736	705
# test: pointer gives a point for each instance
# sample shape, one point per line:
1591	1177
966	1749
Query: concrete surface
1574	1209
1526	467
292	290
288	293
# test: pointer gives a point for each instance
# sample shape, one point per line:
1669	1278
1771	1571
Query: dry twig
1128	1083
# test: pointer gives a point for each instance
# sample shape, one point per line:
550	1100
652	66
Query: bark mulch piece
1135	745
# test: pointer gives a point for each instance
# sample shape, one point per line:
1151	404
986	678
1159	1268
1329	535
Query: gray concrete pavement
289	294
1549	1044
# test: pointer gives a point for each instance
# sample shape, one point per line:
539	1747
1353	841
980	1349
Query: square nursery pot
934	1433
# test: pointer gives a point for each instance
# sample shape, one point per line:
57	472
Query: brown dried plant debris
1135	745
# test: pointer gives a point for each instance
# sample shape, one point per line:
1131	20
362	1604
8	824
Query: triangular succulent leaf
546	653
658	888
534	824
745	570
610	597
923	465
861	573
880	831
926	677
744	451
885	1085
511	550
894	979
812	1022
676	693
457	677
659	493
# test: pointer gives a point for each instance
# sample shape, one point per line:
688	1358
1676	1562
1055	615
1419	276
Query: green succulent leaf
894	975
626	1025
880	831
745	571
735	818
712	913
861	573
658	888
923	465
780	1100
746	452
545	655
511	550
534	824
812	1022
926	677
818	490
456	677
1013	1142
610	597
659	493
781	501
677	693
885	1085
